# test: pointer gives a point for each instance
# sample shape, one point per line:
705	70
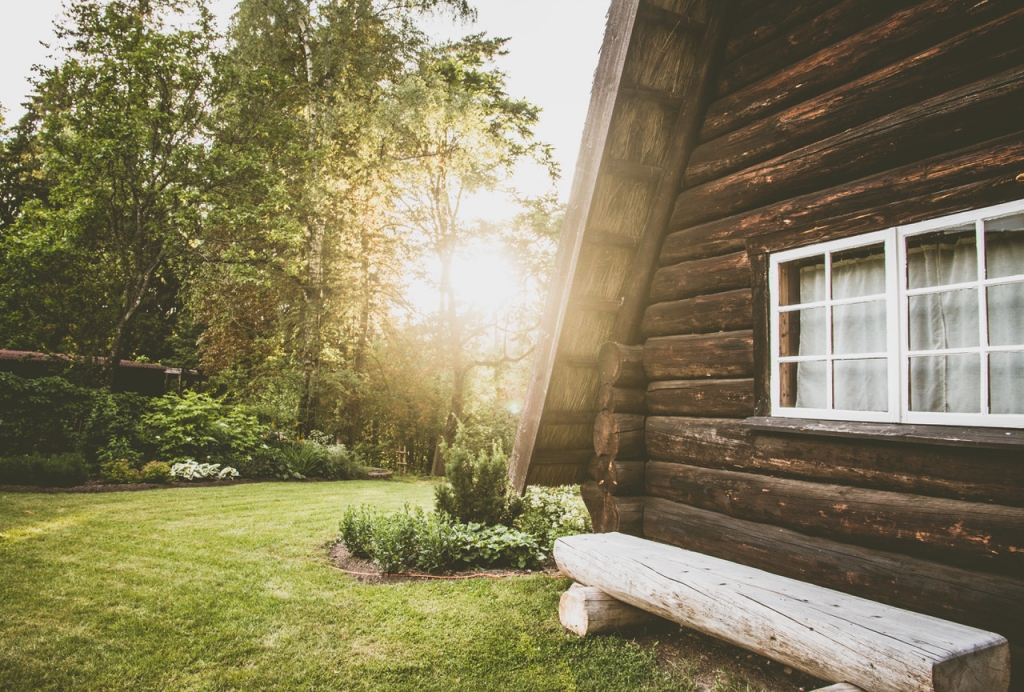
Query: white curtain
948	319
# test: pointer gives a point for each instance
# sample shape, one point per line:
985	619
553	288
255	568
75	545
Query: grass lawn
230	588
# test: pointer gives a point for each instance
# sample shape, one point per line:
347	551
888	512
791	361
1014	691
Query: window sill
946	436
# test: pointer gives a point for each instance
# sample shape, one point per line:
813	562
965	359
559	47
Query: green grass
230	588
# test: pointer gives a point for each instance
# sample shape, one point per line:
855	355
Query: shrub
303	459
119	471
197	426
432	542
343	464
551	513
156	472
477	489
118	448
41	415
58	470
191	470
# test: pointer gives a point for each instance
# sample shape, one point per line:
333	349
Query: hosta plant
190	470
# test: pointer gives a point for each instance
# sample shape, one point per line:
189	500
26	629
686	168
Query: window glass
861	385
802	281
859	328
1004	246
943	257
948	319
811	385
1006	315
1006	375
946	384
802	332
858	272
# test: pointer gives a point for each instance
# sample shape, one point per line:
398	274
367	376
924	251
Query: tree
459	133
122	136
301	179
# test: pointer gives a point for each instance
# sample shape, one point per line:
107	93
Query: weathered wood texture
767	20
620	365
989	601
935	470
972	55
826	633
718	312
618	477
707	398
613	513
719	356
902	34
975	535
621	400
701	277
619	435
840	687
585	610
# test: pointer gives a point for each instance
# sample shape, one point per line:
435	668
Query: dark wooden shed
786	326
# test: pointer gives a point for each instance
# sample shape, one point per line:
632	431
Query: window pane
802	332
802	384
1006	314
858	272
1004	246
946	383
944	320
859	328
942	257
861	385
802	281
1006	373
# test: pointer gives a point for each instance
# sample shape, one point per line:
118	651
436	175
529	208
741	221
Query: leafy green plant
477	490
156	472
197	426
190	470
119	448
41	415
119	471
303	459
551	513
343	464
58	470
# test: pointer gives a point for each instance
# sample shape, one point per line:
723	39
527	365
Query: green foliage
433	543
41	415
156	472
120	471
58	470
477	489
197	426
344	464
191	470
119	448
551	513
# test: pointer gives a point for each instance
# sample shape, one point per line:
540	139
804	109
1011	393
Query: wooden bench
828	634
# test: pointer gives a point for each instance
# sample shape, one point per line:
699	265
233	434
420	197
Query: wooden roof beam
621	168
595	304
638	91
652	14
610	239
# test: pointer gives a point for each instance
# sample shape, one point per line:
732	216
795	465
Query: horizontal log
989	601
706	398
936	470
611	513
718	312
904	33
840	687
865	201
973	55
718	356
833	25
623	478
621	399
974	535
621	365
619	435
700	277
585	610
766	21
821	631
957	118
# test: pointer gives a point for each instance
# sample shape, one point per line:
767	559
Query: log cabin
786	322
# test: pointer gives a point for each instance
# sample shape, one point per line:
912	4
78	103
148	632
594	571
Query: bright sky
553	53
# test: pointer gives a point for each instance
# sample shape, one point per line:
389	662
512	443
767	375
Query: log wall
830	119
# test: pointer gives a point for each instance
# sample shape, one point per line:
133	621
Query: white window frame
897	324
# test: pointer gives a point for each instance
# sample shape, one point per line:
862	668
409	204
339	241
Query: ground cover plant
225	588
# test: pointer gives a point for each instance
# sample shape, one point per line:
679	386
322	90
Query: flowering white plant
190	470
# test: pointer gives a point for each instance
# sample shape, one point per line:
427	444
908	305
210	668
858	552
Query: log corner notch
825	633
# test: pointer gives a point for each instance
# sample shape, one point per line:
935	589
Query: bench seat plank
828	634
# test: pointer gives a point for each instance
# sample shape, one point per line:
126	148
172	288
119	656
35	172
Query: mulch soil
673	645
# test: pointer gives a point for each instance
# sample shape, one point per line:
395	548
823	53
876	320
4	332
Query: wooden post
586	610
